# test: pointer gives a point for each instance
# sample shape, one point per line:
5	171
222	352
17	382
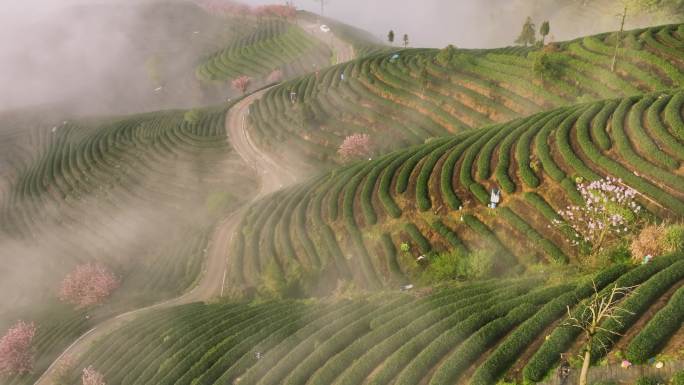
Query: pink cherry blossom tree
275	77
92	377
241	83
88	285
16	356
608	210
356	146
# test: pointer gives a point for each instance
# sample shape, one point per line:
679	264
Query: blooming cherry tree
92	377
608	209
241	83
356	146
88	285
275	77
16	356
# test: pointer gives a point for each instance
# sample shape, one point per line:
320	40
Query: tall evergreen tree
544	31
528	35
390	36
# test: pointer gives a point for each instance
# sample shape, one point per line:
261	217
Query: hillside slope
472	333
274	45
349	223
140	194
422	93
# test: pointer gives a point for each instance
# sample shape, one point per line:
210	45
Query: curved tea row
350	223
140	194
474	333
403	97
274	44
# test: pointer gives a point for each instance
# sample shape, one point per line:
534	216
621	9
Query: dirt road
344	52
274	175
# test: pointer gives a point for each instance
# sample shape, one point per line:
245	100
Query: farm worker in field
494	198
342	76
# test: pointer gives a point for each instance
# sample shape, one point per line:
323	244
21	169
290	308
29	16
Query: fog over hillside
472	23
94	55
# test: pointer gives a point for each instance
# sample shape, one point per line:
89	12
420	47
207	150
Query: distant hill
406	96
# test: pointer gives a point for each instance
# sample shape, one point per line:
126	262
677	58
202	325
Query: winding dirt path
274	174
343	51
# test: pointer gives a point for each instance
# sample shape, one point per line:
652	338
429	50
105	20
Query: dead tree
618	40
601	307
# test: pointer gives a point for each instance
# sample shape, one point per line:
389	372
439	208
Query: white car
325	28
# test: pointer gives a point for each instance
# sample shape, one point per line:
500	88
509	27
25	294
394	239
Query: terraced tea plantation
406	96
274	44
376	270
116	191
351	222
470	333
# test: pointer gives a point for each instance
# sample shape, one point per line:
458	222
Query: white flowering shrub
608	212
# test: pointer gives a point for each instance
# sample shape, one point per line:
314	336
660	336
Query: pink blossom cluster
92	377
275	77
87	285
16	356
241	83
356	146
227	7
608	207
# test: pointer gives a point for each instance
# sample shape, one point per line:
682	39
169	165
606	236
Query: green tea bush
650	380
673	239
658	330
678	378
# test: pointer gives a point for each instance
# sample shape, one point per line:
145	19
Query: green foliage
278	285
635	305
547	65
455	264
418	237
544	29
446	55
528	35
658	330
618	253
650	380
673	239
273	283
678	378
562	338
272	44
192	116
